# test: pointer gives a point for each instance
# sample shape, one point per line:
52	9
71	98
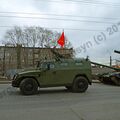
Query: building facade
24	57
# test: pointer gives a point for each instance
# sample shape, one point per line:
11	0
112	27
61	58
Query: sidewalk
95	81
4	80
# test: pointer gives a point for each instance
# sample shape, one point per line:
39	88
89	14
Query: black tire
80	84
115	80
118	84
28	86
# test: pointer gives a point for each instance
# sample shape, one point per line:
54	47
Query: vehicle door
47	76
62	73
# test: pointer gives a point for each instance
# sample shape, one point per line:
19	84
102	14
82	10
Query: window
52	66
78	63
45	65
64	64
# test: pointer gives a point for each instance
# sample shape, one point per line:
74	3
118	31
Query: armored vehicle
112	77
74	74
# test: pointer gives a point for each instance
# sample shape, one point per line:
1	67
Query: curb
96	81
5	82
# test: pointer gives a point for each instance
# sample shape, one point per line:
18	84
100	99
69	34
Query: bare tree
34	37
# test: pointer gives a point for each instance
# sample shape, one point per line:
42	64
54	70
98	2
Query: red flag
61	40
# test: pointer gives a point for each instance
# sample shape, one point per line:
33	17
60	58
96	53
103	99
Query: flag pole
64	38
61	40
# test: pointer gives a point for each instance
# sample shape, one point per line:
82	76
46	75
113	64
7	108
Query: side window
52	66
78	63
45	65
64	64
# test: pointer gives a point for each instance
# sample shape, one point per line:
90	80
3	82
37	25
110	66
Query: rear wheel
115	80
80	84
118	82
28	86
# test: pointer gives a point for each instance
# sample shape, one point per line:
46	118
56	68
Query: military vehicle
109	77
74	74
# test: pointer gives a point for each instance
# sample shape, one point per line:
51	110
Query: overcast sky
93	27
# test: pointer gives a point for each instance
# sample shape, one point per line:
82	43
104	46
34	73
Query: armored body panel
74	74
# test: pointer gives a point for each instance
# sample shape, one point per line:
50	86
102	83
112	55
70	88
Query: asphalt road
100	102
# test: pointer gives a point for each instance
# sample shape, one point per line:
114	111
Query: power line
85	2
95	2
73	29
59	15
62	19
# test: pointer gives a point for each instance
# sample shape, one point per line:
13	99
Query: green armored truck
74	74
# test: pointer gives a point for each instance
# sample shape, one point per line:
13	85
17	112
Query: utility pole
18	56
4	52
110	61
33	55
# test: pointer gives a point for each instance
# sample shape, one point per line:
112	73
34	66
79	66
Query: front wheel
28	86
115	80
80	84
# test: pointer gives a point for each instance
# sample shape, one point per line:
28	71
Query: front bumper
15	83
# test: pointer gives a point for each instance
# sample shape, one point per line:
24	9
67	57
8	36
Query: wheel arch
28	77
83	75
